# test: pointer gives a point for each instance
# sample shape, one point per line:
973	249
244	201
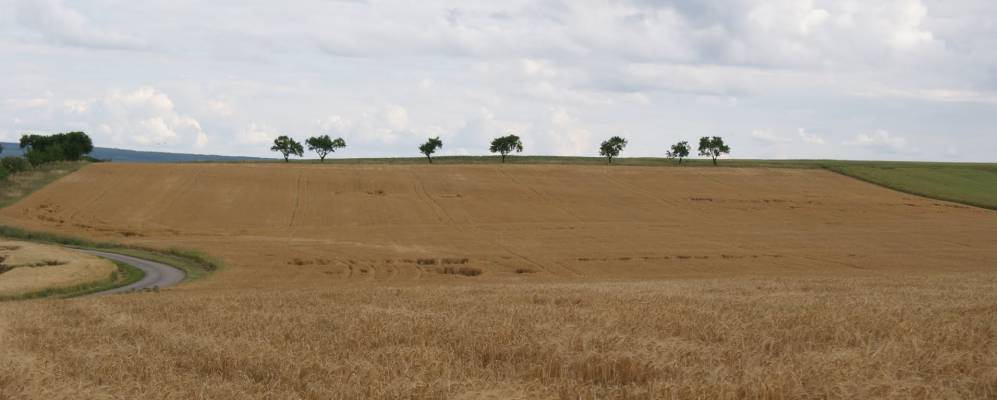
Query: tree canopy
430	147
713	147
505	145
40	149
680	150
612	148
323	145
287	147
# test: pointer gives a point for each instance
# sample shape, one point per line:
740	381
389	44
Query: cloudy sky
853	79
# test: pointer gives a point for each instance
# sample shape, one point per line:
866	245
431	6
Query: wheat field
30	267
527	282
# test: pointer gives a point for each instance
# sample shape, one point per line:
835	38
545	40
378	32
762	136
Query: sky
844	79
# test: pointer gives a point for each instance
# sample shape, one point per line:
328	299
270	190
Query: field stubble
578	282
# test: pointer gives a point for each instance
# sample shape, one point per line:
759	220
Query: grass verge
194	264
124	275
19	185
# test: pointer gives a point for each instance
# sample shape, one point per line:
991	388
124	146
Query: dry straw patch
30	267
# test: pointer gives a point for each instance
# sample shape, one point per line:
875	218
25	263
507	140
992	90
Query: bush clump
14	165
41	149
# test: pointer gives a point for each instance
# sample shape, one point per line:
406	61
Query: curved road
156	274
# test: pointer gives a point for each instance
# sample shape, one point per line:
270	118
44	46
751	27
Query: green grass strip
122	276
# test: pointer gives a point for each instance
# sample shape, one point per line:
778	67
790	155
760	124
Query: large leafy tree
430	147
324	145
612	148
680	150
505	145
70	146
713	147
287	147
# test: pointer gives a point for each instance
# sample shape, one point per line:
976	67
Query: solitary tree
287	147
680	150
612	148
713	147
430	147
323	145
505	145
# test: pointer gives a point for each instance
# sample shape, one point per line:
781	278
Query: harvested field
30	267
516	281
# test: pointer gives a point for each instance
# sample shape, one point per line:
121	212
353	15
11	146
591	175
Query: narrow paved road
156	274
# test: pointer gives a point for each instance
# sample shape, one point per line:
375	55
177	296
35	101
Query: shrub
15	164
39	156
3	173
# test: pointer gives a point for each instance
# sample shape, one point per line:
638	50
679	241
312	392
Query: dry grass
910	336
29	267
22	184
673	283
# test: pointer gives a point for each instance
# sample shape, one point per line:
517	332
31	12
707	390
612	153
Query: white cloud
258	134
767	136
808	137
569	135
220	107
146	116
396	117
881	139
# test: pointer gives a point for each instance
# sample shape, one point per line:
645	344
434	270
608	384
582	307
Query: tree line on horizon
43	149
709	146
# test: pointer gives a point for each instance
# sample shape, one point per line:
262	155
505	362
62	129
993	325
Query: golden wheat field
29	267
466	282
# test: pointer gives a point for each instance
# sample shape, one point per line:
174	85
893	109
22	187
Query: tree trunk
286	158
503	158
680	160
322	159
714	160
429	158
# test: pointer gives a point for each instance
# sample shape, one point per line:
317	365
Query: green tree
323	145
713	147
287	147
505	145
75	145
44	155
70	146
680	150
430	147
1	148
612	148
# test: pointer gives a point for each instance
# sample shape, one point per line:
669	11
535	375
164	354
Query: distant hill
121	155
